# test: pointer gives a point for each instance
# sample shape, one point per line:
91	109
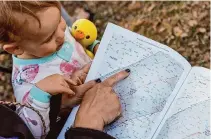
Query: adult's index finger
111	81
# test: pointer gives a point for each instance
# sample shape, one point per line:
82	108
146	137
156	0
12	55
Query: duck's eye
75	27
87	37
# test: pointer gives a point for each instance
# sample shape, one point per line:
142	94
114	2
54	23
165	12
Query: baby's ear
13	48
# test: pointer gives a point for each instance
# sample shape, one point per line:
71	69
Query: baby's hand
79	77
55	84
71	101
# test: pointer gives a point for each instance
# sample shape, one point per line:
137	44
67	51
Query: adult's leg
79	14
66	16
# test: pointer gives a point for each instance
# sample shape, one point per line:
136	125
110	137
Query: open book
163	98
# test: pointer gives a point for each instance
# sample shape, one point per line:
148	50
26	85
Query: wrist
39	95
41	86
91	122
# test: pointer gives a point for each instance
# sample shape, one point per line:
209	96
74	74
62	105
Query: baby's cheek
47	50
63	23
52	48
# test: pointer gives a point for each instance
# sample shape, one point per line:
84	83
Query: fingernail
98	80
127	70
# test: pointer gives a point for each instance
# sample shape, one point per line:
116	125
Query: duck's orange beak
79	35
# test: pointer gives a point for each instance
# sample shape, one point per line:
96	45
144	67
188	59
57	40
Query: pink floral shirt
27	72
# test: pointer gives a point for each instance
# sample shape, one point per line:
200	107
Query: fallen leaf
203	15
192	23
177	31
195	14
207	56
2	57
1	88
167	26
181	49
161	29
193	43
134	6
202	30
183	35
151	8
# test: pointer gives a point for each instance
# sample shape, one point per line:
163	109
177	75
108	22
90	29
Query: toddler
36	35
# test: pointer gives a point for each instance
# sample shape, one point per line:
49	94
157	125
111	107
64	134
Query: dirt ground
183	26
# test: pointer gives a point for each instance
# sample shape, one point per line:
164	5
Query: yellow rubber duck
85	32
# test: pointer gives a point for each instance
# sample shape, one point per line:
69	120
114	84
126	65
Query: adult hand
100	105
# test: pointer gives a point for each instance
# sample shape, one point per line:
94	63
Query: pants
66	16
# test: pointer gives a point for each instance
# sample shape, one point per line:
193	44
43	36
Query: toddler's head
31	29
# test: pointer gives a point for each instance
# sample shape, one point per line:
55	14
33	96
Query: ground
183	26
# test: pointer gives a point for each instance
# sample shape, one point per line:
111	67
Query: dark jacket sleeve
55	103
12	125
84	133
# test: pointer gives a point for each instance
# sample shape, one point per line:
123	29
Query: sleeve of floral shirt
31	114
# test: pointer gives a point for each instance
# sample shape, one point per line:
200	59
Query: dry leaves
183	26
192	23
177	31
